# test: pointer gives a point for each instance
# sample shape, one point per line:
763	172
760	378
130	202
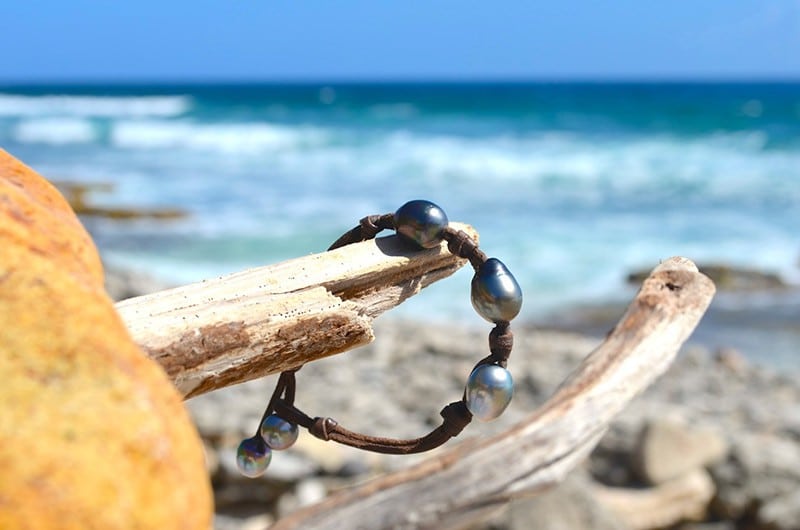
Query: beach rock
305	493
705	525
77	195
121	284
781	513
92	433
732	360
668	448
245	522
760	469
729	278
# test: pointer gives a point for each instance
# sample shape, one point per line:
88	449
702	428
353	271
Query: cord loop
496	296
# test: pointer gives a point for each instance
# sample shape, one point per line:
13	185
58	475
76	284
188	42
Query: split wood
243	326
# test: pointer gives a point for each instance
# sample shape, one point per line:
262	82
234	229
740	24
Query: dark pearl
421	222
253	456
489	391
496	295
278	433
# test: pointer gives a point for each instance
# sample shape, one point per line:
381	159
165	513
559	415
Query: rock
77	194
667	449
672	501
715	525
92	433
730	278
760	469
121	283
252	522
569	506
781	513
305	493
732	360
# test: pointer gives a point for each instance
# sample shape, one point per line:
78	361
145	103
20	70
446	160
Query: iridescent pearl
496	295
253	456
278	433
489	391
421	222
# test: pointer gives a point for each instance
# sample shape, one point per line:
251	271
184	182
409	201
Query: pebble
668	448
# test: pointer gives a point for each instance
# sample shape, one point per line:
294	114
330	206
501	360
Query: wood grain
242	326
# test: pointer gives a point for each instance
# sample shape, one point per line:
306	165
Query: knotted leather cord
455	416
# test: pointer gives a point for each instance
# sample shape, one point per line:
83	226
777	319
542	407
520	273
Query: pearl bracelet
496	296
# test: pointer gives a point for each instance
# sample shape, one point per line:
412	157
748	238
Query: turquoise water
571	185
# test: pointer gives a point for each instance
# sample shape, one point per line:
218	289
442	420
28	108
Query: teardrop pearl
421	222
253	456
278	433
489	391
496	295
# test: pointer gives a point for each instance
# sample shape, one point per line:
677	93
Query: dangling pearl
496	295
421	222
489	391
253	456
278	433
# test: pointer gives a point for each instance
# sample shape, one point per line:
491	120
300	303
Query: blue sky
435	39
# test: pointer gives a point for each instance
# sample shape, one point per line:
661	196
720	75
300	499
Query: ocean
572	185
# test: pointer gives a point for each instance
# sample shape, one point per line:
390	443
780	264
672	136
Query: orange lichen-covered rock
92	433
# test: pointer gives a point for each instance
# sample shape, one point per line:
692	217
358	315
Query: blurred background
583	141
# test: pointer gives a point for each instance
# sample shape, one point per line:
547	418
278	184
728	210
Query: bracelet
496	296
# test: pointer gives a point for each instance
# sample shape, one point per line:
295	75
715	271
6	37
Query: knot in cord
321	426
501	341
456	417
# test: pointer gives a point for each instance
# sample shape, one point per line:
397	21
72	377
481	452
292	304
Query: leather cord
455	416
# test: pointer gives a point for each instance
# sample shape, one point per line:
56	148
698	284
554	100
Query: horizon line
401	80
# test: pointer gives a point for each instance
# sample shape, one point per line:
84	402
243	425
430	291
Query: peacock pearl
421	222
278	433
489	391
496	295
253	456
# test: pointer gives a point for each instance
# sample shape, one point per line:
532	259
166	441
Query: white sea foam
569	213
55	131
222	137
93	106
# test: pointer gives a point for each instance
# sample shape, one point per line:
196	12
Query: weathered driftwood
245	325
684	498
478	475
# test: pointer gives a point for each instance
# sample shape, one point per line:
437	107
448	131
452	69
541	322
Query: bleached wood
684	498
245	325
478	475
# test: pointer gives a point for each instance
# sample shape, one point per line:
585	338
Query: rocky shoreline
714	444
713	419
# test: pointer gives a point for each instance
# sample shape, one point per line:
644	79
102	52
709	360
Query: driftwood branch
475	476
249	324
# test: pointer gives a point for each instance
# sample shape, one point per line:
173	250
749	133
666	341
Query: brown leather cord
460	244
455	416
368	228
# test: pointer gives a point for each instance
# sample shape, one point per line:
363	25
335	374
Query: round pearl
253	456
421	222
489	391
278	433
496	295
